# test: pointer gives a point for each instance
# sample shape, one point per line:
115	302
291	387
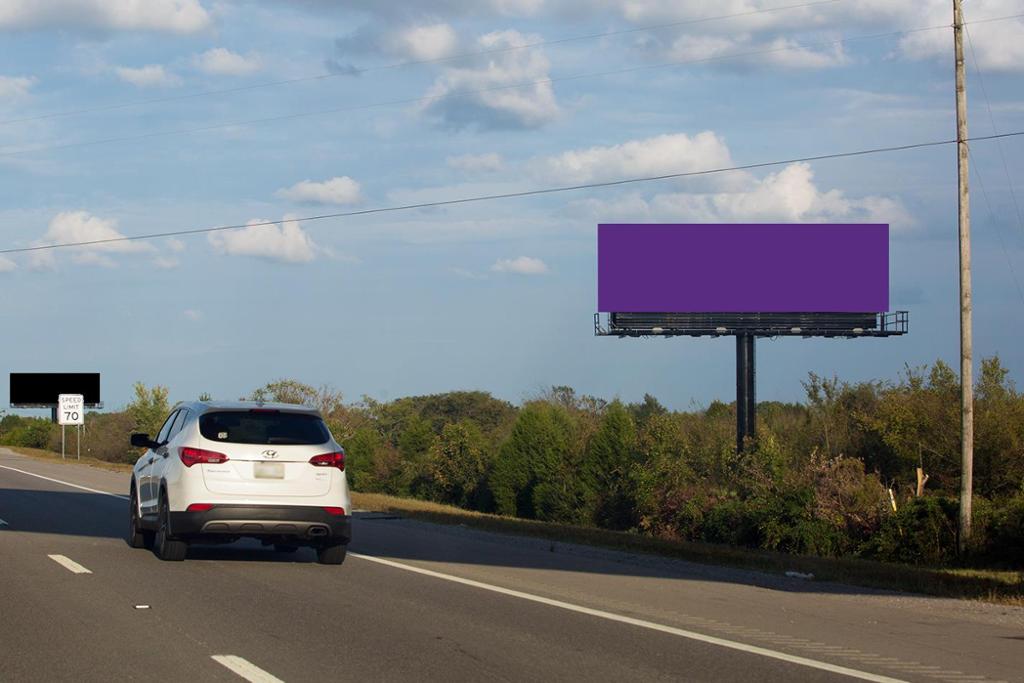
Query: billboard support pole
746	399
964	229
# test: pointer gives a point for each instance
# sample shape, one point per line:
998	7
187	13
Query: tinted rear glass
264	428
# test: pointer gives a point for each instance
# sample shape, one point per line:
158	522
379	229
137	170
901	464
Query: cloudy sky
119	117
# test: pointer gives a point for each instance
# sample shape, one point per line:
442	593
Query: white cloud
192	314
285	242
15	86
149	76
659	155
791	55
491	101
997	45
789	195
489	162
80	226
429	41
166	262
339	190
7	265
220	61
523	265
175	16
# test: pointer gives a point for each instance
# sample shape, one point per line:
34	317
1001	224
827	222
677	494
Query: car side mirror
143	441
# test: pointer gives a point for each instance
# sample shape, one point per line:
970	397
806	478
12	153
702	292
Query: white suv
218	472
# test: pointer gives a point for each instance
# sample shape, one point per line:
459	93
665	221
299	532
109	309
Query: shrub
922	531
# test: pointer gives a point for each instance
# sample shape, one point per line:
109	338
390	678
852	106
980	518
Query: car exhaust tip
318	531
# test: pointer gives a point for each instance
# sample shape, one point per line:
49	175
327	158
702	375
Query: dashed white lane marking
66	483
245	669
682	633
3	523
69	564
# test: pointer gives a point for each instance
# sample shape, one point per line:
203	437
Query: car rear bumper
291	521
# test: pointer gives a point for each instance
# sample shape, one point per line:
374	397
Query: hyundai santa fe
219	471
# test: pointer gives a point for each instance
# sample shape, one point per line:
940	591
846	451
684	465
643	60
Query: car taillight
199	507
334	511
192	456
336	459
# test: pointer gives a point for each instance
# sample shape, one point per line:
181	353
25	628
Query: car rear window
264	427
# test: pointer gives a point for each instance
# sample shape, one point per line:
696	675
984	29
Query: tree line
867	469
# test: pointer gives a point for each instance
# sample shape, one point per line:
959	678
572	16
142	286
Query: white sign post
71	411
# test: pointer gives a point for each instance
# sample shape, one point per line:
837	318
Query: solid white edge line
245	669
3	523
66	483
692	635
69	564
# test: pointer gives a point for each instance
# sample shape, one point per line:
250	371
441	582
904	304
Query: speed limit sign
71	409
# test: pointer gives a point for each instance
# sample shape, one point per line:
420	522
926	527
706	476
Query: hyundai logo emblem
270	454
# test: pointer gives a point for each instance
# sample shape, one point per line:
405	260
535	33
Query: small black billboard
41	389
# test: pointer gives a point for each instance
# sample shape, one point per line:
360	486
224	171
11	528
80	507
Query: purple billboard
740	268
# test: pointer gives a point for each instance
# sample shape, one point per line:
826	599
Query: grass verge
1003	587
50	456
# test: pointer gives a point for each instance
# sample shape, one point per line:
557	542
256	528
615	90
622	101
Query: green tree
999	432
457	465
607	468
528	478
148	409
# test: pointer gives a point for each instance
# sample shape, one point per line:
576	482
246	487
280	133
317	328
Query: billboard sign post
745	280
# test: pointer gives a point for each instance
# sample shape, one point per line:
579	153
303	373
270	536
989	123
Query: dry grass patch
1003	587
50	456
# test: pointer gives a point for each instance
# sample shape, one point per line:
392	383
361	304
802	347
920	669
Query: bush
29	433
923	531
734	522
1006	533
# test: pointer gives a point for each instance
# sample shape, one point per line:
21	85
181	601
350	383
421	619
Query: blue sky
498	295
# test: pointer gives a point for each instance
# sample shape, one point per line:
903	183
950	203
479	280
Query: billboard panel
44	388
743	268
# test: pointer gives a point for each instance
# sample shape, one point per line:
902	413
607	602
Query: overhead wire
417	62
1006	169
992	121
504	195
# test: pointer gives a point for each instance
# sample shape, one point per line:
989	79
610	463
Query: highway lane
301	621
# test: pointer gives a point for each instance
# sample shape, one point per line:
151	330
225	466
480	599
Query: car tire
167	547
331	554
285	548
137	536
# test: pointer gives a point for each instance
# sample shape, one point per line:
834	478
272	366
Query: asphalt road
416	601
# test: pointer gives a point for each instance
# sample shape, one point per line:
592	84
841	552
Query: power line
464	93
992	120
406	63
995	221
1006	169
506	195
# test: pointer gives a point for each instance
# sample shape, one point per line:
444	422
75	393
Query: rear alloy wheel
137	536
167	547
331	554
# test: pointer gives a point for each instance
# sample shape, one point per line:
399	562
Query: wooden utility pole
966	352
